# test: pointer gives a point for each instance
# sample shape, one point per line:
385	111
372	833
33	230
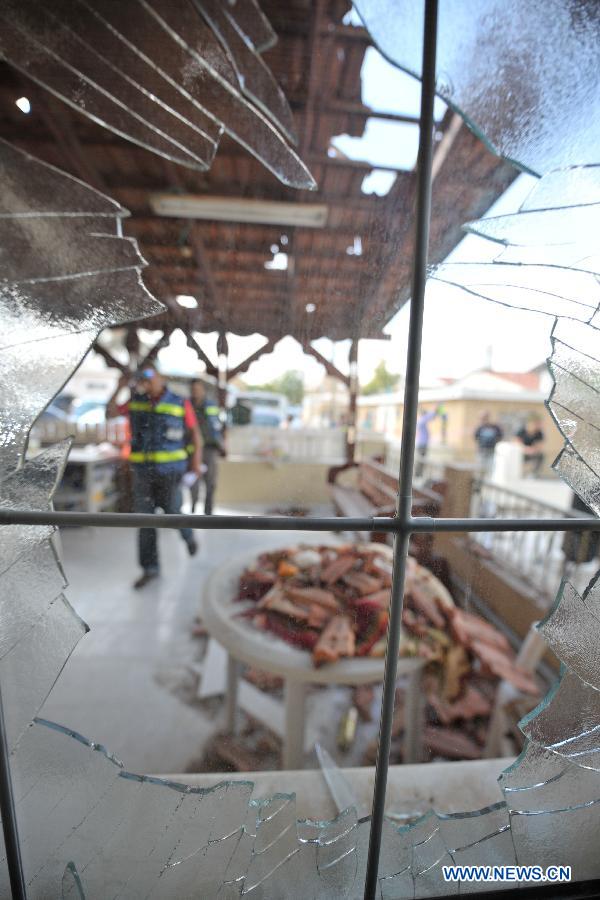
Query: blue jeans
152	489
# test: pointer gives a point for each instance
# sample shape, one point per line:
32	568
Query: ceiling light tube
238	209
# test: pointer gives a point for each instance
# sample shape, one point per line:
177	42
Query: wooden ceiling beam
352	108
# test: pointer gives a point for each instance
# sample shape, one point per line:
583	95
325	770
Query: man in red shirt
161	424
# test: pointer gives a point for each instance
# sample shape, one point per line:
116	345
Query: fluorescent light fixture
187	300
355	249
278	263
23	104
237	209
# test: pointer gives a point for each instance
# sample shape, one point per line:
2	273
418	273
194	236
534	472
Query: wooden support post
351	433
222	354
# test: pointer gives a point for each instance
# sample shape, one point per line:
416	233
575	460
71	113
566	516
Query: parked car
259	408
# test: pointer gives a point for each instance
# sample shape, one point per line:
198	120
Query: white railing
113	432
540	558
243	441
286	444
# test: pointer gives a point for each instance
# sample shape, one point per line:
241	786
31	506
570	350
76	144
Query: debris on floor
255	749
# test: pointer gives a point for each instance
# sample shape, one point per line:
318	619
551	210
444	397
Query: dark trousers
421	453
534	462
209	458
153	489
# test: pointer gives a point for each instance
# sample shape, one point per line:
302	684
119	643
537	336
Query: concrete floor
131	682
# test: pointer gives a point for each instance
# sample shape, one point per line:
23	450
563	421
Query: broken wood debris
339	609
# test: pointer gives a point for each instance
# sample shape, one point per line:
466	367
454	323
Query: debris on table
333	602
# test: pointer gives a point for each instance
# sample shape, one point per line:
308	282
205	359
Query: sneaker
144	579
192	547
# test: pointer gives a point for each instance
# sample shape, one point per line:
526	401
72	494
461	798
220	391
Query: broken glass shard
157	75
89	88
580	476
31	666
255	79
31	487
66	273
252	23
547	289
567	722
525	77
572	631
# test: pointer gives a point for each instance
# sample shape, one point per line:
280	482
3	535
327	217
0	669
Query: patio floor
131	683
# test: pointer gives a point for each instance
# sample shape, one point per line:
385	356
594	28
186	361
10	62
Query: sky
461	333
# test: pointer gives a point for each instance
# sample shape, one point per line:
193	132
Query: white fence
243	441
286	444
115	432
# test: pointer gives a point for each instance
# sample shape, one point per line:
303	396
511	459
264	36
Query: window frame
402	525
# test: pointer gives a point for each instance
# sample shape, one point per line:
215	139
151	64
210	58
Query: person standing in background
158	420
487	435
422	437
532	440
209	422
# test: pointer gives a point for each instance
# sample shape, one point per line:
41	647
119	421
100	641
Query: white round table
261	649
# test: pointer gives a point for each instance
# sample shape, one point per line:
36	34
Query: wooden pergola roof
317	61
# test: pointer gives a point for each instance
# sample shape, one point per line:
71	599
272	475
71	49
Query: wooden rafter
318	60
151	355
211	368
327	364
109	359
245	365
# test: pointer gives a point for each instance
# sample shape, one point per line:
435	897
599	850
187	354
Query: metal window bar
402	525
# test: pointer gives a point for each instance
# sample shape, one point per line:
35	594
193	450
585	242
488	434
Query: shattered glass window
176	79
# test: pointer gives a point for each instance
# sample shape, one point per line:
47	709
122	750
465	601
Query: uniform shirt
189	416
529	439
207	414
487	436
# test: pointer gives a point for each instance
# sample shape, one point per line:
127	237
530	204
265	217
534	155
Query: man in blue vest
161	424
211	431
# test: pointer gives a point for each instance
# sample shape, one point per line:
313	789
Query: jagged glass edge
279	135
449	102
405	828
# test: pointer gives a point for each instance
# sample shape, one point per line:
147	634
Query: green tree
290	384
382	381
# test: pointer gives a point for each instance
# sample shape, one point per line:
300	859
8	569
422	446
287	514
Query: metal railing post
409	427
